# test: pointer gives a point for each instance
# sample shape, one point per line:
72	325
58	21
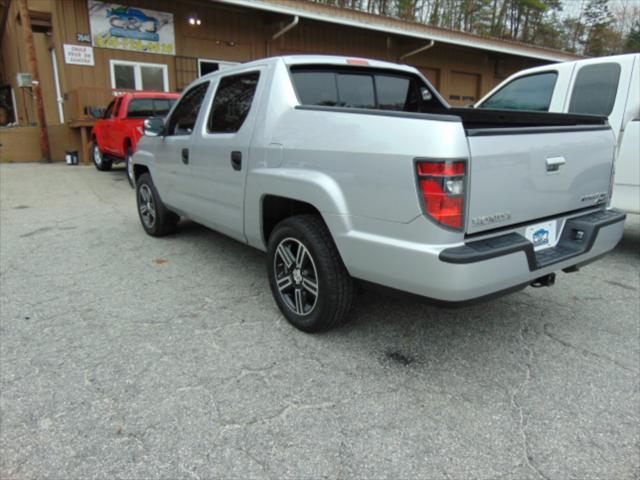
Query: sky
572	7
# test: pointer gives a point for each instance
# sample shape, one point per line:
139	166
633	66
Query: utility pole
25	20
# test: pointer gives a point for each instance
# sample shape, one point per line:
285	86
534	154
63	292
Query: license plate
542	235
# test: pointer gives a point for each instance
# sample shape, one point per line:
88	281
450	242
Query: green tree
632	40
601	38
598	27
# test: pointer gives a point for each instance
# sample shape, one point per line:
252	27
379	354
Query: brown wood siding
20	144
186	71
231	34
63	139
238	35
224	35
316	37
14	61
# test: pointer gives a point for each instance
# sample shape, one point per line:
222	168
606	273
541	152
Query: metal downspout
281	32
418	50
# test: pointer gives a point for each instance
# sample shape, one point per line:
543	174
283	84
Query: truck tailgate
522	174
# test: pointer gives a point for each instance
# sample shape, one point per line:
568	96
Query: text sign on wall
128	28
78	55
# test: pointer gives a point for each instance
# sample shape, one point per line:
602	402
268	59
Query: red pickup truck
115	136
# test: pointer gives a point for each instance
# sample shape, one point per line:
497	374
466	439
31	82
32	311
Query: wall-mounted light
194	21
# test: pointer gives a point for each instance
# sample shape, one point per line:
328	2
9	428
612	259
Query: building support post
25	20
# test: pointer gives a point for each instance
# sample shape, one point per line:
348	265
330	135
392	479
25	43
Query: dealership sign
131	28
78	55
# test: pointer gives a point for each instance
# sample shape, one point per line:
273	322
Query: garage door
464	88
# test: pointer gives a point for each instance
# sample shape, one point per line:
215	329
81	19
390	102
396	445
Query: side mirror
426	94
153	126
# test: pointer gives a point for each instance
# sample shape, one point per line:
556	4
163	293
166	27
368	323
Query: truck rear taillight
442	188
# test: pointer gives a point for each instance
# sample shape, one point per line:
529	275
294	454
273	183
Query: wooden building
86	53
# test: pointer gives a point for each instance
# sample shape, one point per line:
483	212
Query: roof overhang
351	18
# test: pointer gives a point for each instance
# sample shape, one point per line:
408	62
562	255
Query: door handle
185	156
554	164
236	160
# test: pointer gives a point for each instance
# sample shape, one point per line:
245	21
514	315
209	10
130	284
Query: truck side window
532	92
595	89
162	106
149	107
116	109
140	108
109	110
232	102
184	116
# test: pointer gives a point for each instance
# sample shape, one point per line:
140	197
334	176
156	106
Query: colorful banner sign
131	28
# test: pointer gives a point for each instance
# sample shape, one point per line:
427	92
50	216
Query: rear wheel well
139	170
275	209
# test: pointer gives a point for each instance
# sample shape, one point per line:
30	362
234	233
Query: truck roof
551	66
341	60
291	60
148	94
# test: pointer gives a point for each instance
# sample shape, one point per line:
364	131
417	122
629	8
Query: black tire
99	160
164	220
129	167
334	286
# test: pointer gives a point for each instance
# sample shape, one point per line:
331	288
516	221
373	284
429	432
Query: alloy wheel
97	155
296	276
146	205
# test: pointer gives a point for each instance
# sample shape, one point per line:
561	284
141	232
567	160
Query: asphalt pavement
125	356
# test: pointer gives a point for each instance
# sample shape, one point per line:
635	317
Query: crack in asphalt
583	350
522	420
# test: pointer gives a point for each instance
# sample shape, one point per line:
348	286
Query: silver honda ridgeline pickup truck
344	169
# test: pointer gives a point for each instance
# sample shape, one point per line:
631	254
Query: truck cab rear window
363	88
149	107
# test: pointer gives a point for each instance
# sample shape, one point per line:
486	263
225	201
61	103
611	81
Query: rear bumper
476	269
578	237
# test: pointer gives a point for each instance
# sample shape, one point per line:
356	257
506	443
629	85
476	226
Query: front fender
135	134
98	133
315	188
143	155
